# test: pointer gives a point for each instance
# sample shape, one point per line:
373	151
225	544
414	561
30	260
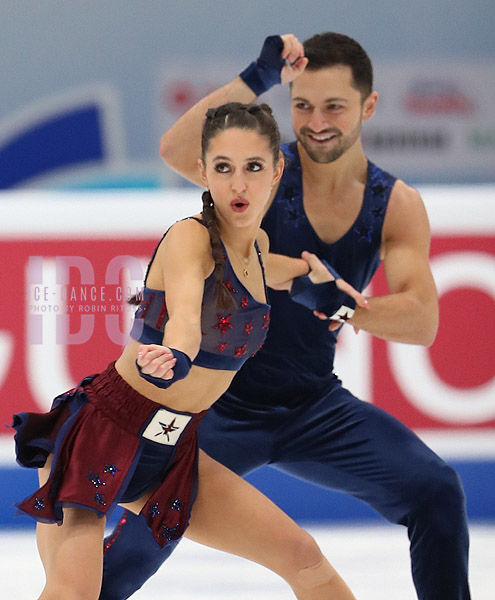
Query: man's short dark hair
330	49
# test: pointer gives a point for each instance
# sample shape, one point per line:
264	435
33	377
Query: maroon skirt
97	433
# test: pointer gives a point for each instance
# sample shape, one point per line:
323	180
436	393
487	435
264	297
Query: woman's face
240	173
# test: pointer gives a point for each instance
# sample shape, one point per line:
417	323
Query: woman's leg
231	515
72	553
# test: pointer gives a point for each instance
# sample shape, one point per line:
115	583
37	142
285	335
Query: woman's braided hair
253	117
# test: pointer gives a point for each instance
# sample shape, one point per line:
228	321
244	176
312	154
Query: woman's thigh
231	515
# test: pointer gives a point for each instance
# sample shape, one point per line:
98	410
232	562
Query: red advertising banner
64	310
65	314
452	383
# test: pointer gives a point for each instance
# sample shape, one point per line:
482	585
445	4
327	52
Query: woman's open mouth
239	205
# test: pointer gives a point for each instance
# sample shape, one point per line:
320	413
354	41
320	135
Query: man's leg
343	443
130	557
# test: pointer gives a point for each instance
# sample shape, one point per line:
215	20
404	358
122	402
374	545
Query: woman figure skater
127	436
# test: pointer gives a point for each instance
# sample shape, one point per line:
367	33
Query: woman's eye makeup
222	167
254	166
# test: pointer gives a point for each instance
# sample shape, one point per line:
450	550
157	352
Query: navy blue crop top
229	337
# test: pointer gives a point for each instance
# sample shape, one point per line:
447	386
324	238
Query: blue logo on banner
70	138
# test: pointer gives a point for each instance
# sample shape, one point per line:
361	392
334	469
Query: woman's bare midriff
201	388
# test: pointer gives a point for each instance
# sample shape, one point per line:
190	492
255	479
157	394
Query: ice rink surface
373	559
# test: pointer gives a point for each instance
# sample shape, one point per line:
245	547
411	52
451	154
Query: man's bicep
407	246
182	157
407	268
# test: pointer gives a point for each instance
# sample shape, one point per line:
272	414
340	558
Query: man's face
327	112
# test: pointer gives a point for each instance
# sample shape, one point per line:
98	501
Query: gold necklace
246	261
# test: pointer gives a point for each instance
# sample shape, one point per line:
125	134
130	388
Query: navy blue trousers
340	442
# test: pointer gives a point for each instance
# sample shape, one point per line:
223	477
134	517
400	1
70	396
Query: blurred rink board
71	260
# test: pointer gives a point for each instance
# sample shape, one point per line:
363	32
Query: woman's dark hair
253	117
224	298
330	49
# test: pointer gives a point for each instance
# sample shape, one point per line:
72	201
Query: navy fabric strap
324	297
181	369
331	269
264	73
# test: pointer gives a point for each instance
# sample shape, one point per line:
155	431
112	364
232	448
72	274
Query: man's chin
321	156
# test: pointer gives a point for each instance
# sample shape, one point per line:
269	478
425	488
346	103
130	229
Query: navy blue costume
287	409
229	337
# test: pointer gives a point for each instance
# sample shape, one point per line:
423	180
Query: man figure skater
286	407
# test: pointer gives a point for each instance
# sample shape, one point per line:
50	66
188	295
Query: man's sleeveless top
299	349
229	337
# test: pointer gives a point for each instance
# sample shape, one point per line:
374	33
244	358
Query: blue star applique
112	469
39	503
378	188
177	505
170	533
95	479
378	211
364	233
99	499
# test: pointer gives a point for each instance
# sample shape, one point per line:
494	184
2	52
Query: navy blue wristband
331	269
264	73
323	297
181	369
